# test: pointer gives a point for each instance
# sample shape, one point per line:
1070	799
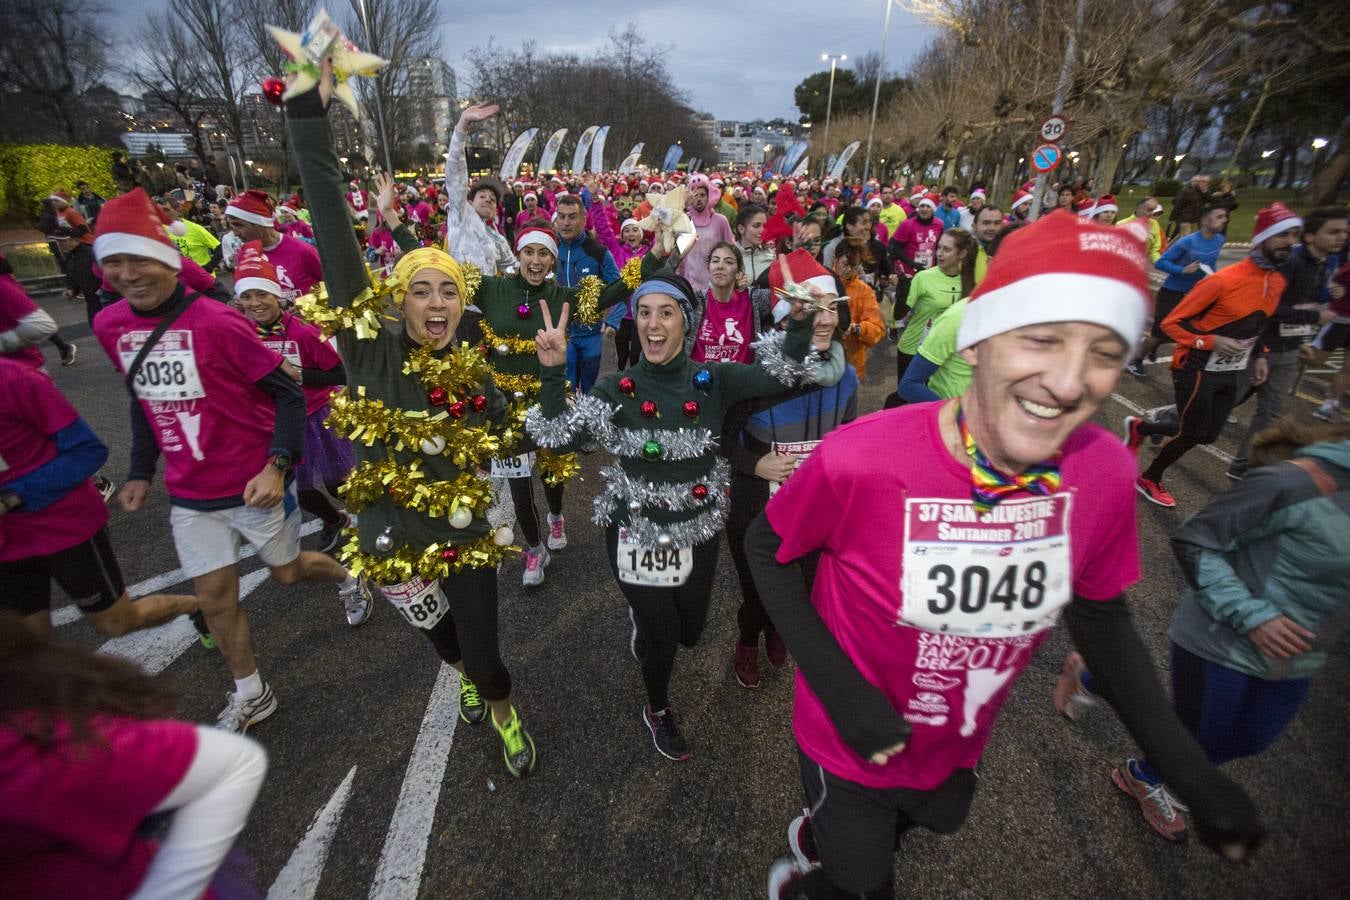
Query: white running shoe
557	532
239	713
536	559
356	602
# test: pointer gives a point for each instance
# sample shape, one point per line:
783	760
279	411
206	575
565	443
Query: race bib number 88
997	574
652	566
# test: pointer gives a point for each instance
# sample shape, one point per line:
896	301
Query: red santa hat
63	196
1085	207
919	191
979	192
803	269
1020	197
1105	203
1270	221
928	200
134	225
253	271
253	206
529	194
538	235
629	221
1070	270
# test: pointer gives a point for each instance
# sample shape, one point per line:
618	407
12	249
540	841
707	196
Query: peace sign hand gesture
550	342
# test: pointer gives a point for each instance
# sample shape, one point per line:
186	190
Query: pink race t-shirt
212	423
298	268
726	331
983	591
70	816
303	346
32	409
14	305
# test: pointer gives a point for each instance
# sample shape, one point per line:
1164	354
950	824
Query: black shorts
87	572
1332	336
1163	304
856	829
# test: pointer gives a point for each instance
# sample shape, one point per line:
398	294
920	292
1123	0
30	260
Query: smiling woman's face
660	327
432	308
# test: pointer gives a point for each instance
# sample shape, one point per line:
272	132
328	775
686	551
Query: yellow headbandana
426	258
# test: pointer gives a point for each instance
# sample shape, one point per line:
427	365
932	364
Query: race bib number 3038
652	566
1001	573
169	371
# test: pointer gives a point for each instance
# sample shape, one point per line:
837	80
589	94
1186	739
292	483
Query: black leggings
522	497
1204	400
667	617
468	632
902	361
627	348
748	498
317	503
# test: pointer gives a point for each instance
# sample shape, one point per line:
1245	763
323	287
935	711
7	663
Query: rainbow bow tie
990	485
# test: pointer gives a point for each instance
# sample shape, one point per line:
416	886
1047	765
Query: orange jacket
1233	302
863	311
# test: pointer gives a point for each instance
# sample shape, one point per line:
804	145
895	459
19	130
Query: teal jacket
1273	545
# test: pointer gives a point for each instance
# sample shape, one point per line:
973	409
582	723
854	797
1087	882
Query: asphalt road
375	789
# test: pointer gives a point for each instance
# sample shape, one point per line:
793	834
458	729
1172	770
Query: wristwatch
281	461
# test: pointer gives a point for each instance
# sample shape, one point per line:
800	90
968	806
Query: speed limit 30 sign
1053	128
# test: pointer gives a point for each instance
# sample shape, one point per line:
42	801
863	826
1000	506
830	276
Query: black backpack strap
168	319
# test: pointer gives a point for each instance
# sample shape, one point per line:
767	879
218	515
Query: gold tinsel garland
586	303
408	486
365	314
631	273
367	421
513	344
462	370
529	385
557	468
402	564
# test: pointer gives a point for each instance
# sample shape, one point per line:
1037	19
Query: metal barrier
34	262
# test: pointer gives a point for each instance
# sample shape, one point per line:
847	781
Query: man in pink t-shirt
216	403
940	575
252	217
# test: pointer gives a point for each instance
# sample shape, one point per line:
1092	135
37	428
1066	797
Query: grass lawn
1239	226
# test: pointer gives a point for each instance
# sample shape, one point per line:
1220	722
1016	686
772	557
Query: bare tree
267	58
170	72
54	51
214	26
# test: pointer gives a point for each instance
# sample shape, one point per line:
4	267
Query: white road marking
69	613
154	649
299	878
399	874
1138	410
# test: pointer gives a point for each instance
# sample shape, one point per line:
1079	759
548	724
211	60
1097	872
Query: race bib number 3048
996	574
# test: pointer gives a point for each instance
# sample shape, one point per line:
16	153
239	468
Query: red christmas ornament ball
479	403
457	409
649	409
437	396
450	554
273	88
691	408
627	386
700	492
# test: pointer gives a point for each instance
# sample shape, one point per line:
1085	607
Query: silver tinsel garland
591	415
790	372
625	492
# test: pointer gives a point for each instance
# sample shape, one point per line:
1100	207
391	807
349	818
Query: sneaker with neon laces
1329	411
240	713
1071	696
472	709
802	841
356	602
785	876
1154	492
745	663
774	648
1160	809
666	734
517	745
557	532
536	558
1132	436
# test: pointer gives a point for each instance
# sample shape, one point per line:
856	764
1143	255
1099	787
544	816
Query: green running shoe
472	709
517	745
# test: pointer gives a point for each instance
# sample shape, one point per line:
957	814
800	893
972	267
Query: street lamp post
829	102
876	92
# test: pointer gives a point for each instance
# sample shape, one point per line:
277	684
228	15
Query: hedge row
29	172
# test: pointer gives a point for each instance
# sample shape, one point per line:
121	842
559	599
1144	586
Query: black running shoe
666	735
331	535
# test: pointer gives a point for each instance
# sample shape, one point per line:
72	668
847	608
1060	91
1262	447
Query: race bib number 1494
996	574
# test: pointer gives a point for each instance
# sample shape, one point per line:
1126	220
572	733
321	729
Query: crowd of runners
405	361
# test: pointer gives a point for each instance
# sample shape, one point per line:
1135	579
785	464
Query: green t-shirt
891	216
198	244
939	348
930	293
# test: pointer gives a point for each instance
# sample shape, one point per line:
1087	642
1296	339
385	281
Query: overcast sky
735	61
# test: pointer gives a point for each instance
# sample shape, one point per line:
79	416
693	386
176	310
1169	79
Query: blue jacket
950	218
1273	545
577	258
1182	253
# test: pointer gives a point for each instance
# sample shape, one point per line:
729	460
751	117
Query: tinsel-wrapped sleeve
562	426
780	362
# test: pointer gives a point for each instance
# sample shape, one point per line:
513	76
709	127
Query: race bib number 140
1001	573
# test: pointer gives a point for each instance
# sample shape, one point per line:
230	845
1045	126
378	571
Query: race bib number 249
1001	573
